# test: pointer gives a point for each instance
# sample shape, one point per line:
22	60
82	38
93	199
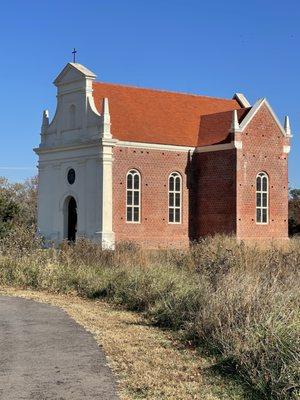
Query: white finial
46	115
105	106
235	126
105	117
287	126
45	123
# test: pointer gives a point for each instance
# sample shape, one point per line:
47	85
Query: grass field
235	304
149	363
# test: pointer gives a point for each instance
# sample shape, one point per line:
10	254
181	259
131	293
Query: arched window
262	198
72	117
133	196
175	198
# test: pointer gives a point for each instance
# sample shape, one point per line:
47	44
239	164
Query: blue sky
213	48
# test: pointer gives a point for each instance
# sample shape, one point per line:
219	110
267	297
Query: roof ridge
228	111
163	91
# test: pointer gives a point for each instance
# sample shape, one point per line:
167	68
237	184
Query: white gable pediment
73	72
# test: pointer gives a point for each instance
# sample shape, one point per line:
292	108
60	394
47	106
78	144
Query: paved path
45	355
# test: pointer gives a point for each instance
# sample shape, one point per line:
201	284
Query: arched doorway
72	219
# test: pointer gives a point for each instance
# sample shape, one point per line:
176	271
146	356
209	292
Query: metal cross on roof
74	55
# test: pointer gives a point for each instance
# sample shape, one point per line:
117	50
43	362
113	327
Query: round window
71	176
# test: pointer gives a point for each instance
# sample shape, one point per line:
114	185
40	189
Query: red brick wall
215	174
262	151
219	189
154	167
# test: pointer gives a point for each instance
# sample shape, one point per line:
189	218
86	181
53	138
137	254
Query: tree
18	204
294	194
8	211
294	211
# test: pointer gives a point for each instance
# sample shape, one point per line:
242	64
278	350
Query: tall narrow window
133	196
175	198
262	198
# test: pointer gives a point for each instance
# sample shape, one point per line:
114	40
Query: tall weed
236	301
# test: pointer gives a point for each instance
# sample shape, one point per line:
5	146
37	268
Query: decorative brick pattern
262	151
215	180
219	189
155	167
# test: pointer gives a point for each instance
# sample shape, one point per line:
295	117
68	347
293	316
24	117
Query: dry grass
149	363
238	303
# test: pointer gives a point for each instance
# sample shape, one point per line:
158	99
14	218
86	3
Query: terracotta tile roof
154	116
214	128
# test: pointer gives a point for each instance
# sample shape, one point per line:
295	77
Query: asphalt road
44	354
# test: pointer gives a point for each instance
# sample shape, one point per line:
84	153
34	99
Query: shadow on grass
223	374
235	384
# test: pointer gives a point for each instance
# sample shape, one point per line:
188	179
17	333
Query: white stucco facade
77	138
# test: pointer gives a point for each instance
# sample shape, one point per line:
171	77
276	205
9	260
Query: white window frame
173	207
260	193
133	172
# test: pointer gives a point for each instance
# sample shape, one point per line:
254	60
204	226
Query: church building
123	163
